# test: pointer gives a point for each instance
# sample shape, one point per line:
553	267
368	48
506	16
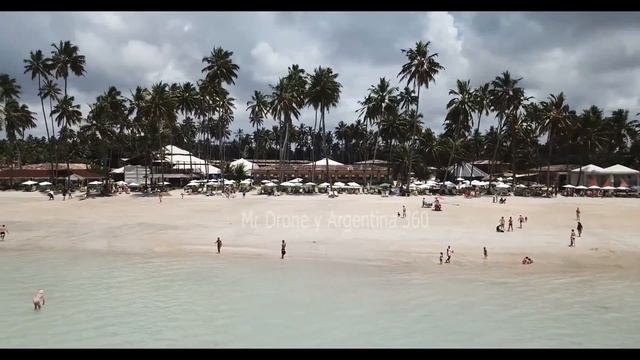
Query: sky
593	57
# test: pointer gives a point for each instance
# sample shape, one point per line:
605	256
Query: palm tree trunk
389	167
550	142
413	137
284	149
325	148
375	150
446	171
366	153
54	142
475	156
495	152
46	125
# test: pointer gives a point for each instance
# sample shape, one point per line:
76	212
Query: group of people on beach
500	227
572	236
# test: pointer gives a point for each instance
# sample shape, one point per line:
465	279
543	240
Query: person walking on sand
182	195
441	256
510	228
572	239
283	249
484	251
160	196
448	261
502	223
579	229
38	300
578	213
521	220
219	244
64	194
3	231
404	212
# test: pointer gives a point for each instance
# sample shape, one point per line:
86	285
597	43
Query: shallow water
117	300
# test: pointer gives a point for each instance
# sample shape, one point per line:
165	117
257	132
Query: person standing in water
578	213
283	249
404	211
521	220
38	300
219	244
510	228
3	232
502	223
441	256
579	229
484	251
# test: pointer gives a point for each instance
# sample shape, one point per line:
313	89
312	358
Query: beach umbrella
459	179
449	184
581	187
29	182
134	184
385	185
522	186
310	184
594	187
324	184
338	184
45	183
265	181
269	184
509	178
95	183
464	186
502	186
568	186
538	186
608	188
418	183
622	188
245	182
476	183
353	184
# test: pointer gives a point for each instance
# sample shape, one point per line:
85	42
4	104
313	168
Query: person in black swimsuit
579	229
484	250
283	249
219	244
3	231
441	255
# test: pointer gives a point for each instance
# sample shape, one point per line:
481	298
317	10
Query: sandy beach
351	228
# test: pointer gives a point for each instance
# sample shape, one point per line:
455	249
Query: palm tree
381	100
258	108
50	90
219	67
160	107
9	90
187	99
420	70
17	118
286	102
482	105
459	117
556	118
591	134
67	114
506	98
326	90
64	58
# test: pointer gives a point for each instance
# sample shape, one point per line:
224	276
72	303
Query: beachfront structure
615	176
247	165
10	177
463	170
176	167
337	172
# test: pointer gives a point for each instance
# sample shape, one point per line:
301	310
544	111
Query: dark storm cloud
592	57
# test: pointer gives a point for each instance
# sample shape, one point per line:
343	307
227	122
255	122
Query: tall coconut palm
556	118
420	70
187	99
482	102
591	134
219	67
67	114
286	102
17	119
327	92
506	98
65	58
459	117
381	100
160	107
50	90
258	108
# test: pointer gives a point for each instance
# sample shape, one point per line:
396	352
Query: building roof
46	174
47	166
464	170
553	168
588	169
619	170
323	162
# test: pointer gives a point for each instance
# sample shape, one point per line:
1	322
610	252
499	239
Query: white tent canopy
588	169
246	164
619	170
45	183
118	171
323	162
